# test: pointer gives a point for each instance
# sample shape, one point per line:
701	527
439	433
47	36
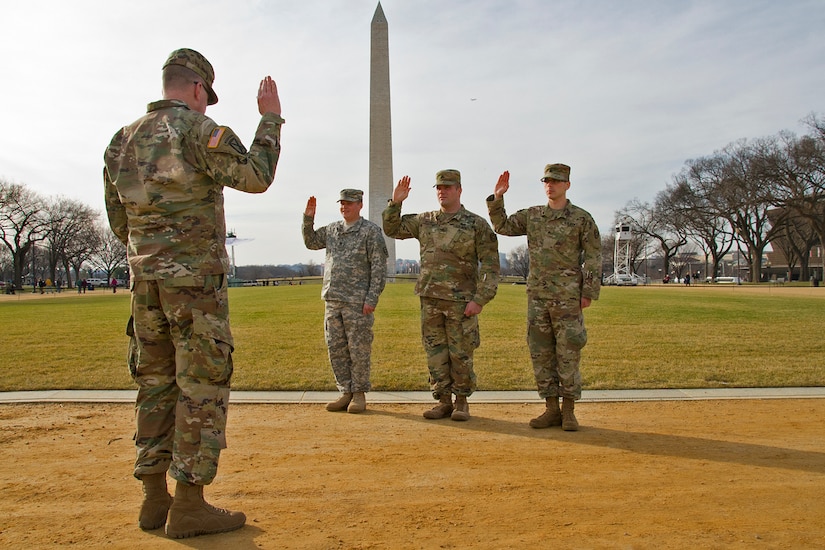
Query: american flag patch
215	138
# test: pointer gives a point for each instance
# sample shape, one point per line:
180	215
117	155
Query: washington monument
380	184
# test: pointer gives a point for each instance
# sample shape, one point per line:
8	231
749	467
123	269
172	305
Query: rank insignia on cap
215	138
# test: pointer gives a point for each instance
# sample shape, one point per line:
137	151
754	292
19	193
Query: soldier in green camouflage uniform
355	272
459	276
564	249
164	176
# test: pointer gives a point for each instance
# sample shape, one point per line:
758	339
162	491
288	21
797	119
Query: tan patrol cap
448	177
558	172
194	61
351	195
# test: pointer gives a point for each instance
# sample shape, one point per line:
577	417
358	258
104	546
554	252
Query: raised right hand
402	190
268	100
310	209
502	185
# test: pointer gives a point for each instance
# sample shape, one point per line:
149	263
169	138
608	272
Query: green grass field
641	337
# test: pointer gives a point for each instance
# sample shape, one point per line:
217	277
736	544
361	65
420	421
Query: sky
625	92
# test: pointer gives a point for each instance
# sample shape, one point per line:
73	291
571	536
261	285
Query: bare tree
518	261
744	200
693	192
23	223
81	248
661	222
67	219
797	171
111	254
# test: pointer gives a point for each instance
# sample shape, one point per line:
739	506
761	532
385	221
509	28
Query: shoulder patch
215	138
236	144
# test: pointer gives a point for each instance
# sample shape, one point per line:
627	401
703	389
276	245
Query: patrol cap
194	61
448	177
558	172
351	195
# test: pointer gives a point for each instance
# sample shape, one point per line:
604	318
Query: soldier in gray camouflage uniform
564	248
355	272
459	276
164	176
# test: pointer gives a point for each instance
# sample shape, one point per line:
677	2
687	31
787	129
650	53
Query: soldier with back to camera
164	177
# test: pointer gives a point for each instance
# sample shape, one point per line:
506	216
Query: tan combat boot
442	410
341	404
358	403
156	502
191	516
568	419
461	411
551	416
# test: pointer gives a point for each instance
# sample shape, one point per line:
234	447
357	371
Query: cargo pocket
472	335
575	334
212	347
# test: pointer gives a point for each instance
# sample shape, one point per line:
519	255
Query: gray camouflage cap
351	195
558	172
196	62
448	177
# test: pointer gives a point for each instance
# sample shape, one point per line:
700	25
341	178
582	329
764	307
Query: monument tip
379	16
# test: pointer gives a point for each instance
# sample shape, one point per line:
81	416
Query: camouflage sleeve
398	226
591	260
313	239
114	208
377	251
487	252
513	226
231	165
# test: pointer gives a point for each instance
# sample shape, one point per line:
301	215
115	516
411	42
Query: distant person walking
114	286
459	276
355	272
564	248
164	178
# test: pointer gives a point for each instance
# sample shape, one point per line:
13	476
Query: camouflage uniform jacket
355	269
563	245
452	246
164	177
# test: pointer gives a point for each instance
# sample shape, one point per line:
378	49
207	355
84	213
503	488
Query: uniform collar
166	104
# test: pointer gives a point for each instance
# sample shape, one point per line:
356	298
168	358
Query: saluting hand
402	190
502	185
268	100
310	209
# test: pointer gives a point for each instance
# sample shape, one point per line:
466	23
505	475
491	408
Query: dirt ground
699	474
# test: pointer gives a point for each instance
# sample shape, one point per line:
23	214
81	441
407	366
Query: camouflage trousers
449	340
555	338
181	359
348	334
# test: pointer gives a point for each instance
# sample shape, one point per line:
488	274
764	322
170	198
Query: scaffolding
622	267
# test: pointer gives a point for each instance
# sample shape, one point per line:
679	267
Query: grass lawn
666	336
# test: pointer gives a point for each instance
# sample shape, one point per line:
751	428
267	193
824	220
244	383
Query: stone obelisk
381	182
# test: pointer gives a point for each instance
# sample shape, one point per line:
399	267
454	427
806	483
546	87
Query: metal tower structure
622	268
